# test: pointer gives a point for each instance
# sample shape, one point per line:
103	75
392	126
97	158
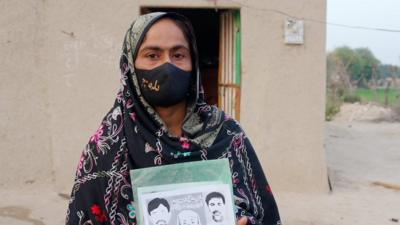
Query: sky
367	13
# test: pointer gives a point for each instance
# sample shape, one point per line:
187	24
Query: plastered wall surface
60	75
25	135
288	82
83	51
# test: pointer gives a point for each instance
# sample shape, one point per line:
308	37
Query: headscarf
132	135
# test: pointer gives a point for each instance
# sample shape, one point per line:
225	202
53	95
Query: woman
159	117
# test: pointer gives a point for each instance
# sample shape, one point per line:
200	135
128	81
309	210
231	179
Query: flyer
193	193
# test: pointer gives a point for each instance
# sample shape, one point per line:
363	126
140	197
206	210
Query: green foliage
356	75
378	95
331	110
350	60
351	98
367	62
360	64
332	106
387	71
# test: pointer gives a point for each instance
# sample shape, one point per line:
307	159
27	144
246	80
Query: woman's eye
179	56
152	56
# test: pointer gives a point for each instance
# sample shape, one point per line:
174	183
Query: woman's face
164	42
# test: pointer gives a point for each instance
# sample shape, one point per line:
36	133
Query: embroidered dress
132	135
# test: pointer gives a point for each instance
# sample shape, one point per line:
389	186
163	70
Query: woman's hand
242	221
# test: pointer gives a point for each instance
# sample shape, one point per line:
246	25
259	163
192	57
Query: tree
360	64
388	71
368	64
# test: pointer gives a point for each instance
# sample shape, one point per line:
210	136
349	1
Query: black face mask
165	85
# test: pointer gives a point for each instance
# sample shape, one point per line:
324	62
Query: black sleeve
252	193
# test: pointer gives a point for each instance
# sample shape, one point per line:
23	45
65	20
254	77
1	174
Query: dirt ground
363	158
363	155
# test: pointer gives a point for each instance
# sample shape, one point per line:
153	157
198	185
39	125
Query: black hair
153	204
214	195
187	29
184	25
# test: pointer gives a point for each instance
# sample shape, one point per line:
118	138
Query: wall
26	156
59	70
283	89
287	122
83	50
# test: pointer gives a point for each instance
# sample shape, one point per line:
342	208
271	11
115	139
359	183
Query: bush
351	98
332	106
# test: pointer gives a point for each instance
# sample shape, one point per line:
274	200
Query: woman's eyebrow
158	48
153	48
177	47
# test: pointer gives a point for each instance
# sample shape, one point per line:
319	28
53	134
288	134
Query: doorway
218	41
